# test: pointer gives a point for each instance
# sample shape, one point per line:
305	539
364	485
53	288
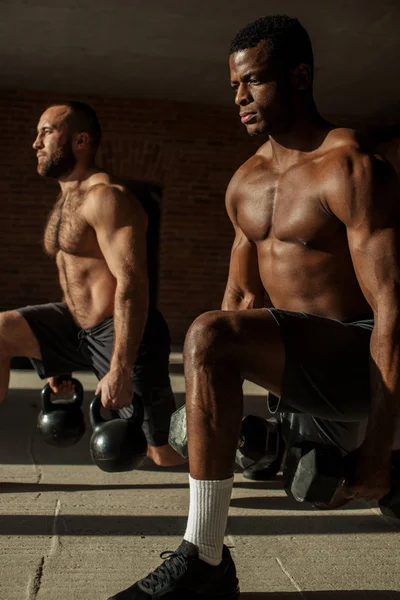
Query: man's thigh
16	337
249	341
57	335
299	427
327	367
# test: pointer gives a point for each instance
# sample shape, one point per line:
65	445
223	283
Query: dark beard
60	163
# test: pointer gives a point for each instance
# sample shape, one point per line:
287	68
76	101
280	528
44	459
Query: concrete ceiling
177	49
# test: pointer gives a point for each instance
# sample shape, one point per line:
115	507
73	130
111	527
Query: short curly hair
287	38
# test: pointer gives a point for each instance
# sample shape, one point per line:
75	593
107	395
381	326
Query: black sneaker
184	576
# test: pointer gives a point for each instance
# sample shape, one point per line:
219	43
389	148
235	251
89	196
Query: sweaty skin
289	241
310	236
316	219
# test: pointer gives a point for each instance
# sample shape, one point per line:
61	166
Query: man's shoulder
347	144
349	154
107	196
101	185
356	173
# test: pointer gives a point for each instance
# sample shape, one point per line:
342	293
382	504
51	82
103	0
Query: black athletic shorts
326	383
65	348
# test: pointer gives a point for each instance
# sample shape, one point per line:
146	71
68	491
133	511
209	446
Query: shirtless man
316	217
97	234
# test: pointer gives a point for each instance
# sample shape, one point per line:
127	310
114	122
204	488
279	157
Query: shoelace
172	568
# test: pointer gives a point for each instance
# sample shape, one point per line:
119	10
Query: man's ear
302	77
82	141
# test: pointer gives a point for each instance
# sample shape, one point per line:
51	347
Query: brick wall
191	151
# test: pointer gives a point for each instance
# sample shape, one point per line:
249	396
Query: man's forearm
385	386
130	316
231	302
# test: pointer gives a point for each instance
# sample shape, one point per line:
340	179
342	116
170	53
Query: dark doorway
149	195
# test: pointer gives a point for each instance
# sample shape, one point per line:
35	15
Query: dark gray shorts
66	348
326	383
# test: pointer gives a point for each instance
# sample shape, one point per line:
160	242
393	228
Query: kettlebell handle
47	392
96	418
95	412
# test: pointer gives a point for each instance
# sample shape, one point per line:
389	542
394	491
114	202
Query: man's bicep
376	259
120	225
372	218
124	251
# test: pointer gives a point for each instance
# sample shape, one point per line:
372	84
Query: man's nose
38	143
243	96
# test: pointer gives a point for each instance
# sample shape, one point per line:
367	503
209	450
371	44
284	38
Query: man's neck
77	178
306	134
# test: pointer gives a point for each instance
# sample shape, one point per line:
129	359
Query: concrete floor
69	531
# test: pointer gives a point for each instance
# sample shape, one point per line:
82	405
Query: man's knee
209	338
9	324
16	337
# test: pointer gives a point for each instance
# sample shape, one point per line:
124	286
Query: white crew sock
208	515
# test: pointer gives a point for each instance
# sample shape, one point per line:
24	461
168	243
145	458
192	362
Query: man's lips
246	117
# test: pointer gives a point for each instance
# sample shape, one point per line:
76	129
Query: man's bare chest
67	230
291	208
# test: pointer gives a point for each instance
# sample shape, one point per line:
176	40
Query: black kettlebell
117	445
62	423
